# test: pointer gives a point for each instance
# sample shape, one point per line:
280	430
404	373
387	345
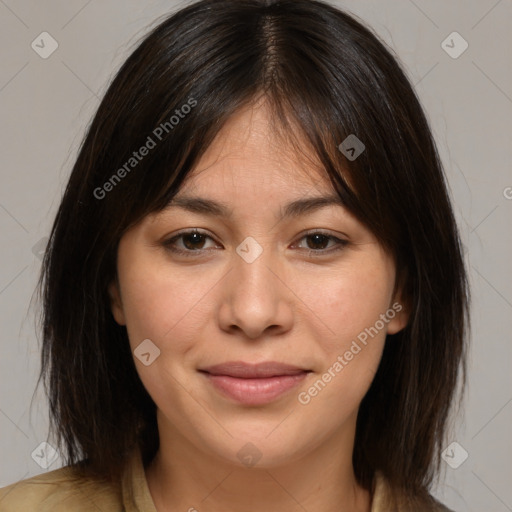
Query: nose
256	298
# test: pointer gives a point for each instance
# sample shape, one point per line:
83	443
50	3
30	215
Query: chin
247	450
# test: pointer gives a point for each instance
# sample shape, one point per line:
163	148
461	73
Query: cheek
351	305
166	308
351	300
169	310
351	353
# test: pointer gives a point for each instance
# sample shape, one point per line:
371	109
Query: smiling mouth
254	384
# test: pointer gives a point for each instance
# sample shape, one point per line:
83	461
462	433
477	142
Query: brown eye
317	243
191	242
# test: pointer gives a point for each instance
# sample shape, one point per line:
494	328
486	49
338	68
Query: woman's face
265	282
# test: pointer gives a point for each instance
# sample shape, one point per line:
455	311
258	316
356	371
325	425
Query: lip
254	384
244	370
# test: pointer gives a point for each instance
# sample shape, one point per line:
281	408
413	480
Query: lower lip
255	391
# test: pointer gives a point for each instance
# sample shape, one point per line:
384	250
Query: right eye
192	242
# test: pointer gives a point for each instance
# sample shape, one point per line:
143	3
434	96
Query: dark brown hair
326	75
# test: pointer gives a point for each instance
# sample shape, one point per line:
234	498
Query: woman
253	295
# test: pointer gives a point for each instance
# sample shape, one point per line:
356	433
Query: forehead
250	154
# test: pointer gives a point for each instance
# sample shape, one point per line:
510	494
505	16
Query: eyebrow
293	209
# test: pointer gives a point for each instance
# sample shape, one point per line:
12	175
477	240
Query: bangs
316	103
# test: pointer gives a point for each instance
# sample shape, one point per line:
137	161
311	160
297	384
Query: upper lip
245	370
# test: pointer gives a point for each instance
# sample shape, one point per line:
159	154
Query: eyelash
169	244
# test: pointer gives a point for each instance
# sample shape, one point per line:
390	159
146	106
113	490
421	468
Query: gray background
45	105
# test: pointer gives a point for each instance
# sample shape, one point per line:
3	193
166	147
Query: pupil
191	236
318	239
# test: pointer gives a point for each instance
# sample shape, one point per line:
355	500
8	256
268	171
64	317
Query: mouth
254	384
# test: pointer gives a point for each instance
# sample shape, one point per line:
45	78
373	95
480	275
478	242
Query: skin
285	306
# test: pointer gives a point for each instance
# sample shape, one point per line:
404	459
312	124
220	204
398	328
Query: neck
181	477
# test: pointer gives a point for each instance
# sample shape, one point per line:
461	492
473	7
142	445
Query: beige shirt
56	491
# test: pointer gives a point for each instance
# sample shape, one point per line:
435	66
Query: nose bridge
252	266
255	297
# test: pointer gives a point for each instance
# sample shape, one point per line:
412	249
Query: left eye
194	242
321	239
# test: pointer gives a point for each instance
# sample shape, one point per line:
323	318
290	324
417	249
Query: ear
116	304
398	313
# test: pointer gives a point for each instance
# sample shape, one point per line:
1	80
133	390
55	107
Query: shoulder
58	491
387	500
